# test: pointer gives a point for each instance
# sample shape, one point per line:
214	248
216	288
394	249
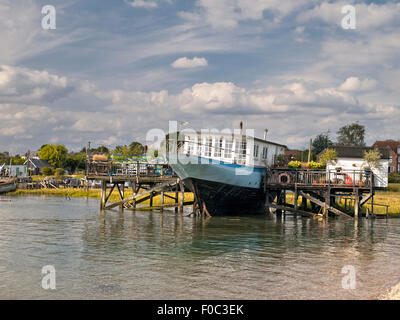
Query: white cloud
30	86
369	17
185	63
227	14
355	84
143	4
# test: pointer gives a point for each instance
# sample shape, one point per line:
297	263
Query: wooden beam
280	207
116	204
322	204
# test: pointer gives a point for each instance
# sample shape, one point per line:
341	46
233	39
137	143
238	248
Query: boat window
228	149
240	150
189	146
255	153
208	147
218	147
265	152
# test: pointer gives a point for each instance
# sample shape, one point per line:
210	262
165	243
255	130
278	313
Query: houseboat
224	171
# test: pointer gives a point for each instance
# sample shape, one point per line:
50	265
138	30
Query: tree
329	156
55	154
136	148
372	158
321	142
351	135
47	171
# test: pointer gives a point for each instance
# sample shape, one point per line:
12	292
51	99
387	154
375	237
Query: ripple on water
148	255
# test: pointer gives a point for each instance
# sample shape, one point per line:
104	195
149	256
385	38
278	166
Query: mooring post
356	203
296	198
182	197
122	194
176	195
134	195
162	200
103	194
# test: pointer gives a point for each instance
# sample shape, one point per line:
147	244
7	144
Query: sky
112	70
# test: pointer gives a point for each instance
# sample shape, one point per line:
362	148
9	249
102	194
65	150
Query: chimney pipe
241	128
265	134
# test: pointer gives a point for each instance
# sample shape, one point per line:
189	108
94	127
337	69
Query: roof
392	144
357	152
39	163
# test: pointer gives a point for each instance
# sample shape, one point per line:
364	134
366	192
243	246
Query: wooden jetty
146	181
324	189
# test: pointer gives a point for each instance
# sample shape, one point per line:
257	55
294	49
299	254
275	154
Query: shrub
294	164
59	172
47	171
316	165
394	178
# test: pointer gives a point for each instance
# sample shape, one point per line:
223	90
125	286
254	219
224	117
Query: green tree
55	154
136	148
47	171
351	135
372	158
321	142
329	156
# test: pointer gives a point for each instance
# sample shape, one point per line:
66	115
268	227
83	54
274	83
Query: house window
398	151
391	169
390	159
228	149
255	153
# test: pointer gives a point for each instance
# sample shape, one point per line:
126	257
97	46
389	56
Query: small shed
352	158
35	166
13	170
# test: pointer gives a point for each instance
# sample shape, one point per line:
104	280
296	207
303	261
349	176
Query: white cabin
352	158
231	148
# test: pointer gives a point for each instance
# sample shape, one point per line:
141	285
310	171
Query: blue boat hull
224	188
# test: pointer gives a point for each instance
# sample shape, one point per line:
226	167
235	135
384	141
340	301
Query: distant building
13	170
394	156
293	154
352	158
35	166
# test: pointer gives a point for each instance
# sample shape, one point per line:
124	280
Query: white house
352	159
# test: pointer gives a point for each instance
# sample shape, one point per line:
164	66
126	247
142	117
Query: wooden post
162	200
309	151
296	198
103	194
356	203
182	197
134	194
176	195
122	194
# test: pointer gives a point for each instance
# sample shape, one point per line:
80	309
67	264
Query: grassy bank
93	193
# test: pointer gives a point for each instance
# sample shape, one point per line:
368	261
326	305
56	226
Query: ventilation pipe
265	134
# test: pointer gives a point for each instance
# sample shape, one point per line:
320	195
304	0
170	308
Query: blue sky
112	70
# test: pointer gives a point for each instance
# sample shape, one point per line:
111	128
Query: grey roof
357	152
39	163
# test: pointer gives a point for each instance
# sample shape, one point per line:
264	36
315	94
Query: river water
148	255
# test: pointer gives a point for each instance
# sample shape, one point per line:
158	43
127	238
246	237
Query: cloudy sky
111	70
